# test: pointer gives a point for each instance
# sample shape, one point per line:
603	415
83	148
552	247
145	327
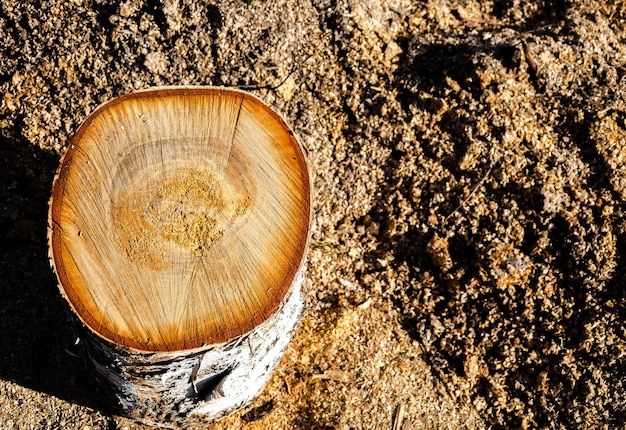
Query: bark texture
194	387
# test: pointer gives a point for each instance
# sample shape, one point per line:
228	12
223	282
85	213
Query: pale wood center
172	214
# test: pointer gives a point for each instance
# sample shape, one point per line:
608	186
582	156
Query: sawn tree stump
179	224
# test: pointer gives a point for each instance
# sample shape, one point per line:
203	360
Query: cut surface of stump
179	223
180	217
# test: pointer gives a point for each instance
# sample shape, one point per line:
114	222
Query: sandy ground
467	262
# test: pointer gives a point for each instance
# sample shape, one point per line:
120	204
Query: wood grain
179	217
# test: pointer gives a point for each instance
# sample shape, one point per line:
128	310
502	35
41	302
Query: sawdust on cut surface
184	211
189	208
192	211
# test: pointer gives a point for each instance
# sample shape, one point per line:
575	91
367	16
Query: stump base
183	388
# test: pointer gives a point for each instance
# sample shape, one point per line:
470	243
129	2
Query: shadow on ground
38	344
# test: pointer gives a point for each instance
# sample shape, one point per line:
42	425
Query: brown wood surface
179	217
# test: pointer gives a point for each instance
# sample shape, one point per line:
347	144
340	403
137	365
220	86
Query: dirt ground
467	265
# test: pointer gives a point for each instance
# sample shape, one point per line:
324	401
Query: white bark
183	388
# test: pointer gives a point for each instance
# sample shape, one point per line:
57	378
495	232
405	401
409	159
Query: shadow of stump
39	348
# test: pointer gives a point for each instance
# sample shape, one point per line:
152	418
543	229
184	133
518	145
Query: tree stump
179	224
